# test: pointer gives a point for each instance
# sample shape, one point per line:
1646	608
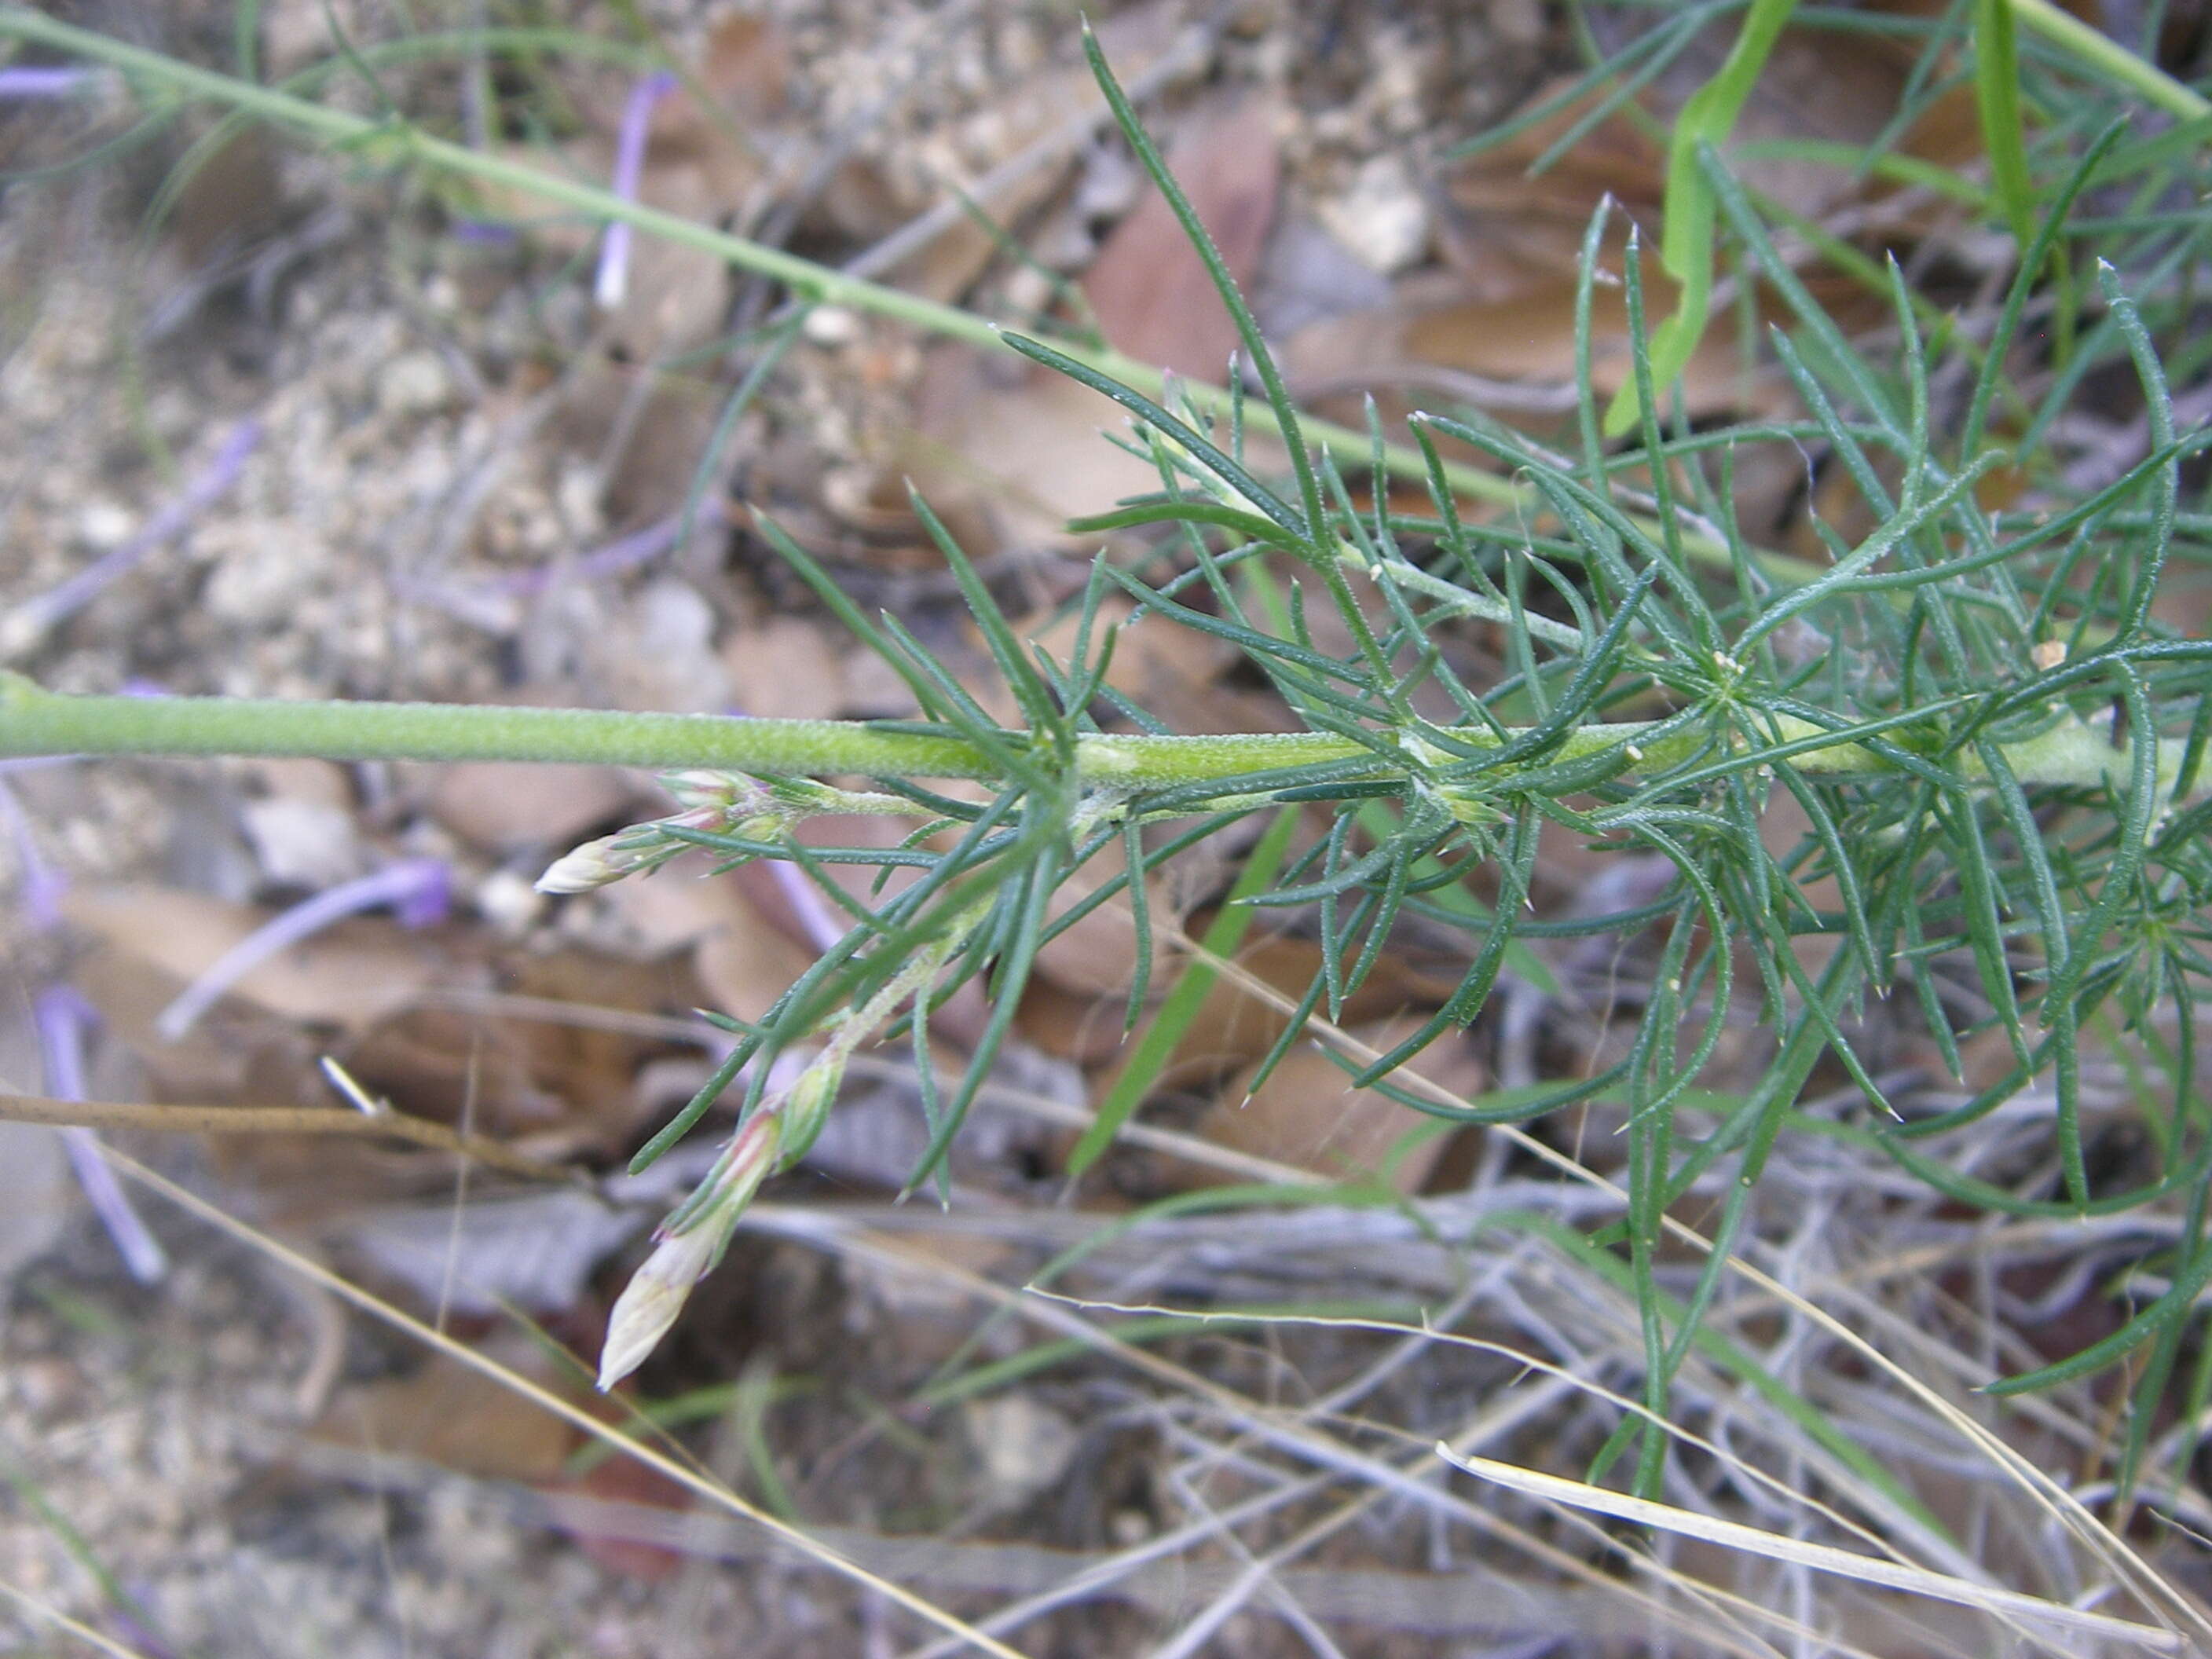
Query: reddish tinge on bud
690	1243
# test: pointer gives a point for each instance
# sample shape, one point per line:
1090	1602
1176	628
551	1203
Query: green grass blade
1997	100
1173	1019
1201	243
1686	235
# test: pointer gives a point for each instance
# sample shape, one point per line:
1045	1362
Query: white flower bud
594	865
690	1242
656	1293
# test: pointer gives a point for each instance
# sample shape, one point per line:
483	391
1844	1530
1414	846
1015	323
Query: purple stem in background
426	898
56	82
622	553
62	1017
613	278
821	923
417	889
32	619
137	1634
42	886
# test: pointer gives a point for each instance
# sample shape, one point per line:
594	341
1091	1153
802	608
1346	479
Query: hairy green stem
33	721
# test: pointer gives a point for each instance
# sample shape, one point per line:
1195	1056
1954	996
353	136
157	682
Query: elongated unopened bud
596	863
690	1243
644	845
808	1108
656	1293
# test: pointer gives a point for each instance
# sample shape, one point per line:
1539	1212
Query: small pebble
43	1384
831	326
509	902
103	523
1382	219
415	382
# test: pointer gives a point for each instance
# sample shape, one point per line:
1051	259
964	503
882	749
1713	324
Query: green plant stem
2110	59
33	721
37	722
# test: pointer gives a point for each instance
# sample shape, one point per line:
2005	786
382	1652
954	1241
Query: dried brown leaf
1149	291
786	668
454	1416
506	808
1027	441
1307	1115
744	962
348	976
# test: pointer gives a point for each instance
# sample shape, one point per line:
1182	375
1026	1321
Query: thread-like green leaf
1997	100
1172	1020
1686	235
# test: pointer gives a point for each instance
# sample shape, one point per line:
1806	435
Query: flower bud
761	826
595	863
808	1107
1467	806
728	793
688	1245
804	797
747	1158
654	1296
